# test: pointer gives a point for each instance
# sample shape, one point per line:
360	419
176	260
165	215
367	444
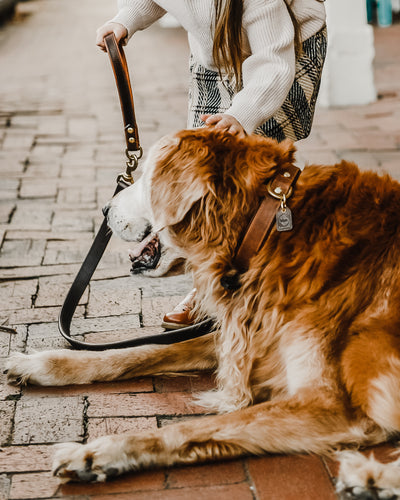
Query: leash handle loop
123	82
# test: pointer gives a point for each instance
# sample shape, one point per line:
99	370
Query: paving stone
37	271
24	122
52	291
48	420
18	140
17	294
164	286
221	492
290	478
143	481
38	188
5	483
44	235
76	195
83	127
136	385
220	473
9	189
7	409
52	125
113	298
66	252
38	315
36	169
18	340
46	151
145	404
46	343
12	164
26	458
34	486
123	334
22	253
69	220
83	326
7	392
32	216
6	210
118	425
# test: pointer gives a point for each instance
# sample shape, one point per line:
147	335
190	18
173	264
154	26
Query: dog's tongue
146	255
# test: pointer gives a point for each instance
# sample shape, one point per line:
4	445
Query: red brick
207	474
128	405
140	481
48	420
118	387
25	458
290	477
189	383
40	485
5	483
225	492
117	425
6	419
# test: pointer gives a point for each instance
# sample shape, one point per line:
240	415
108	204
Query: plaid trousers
209	94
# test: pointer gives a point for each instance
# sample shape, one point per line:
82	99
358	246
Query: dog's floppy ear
180	178
181	197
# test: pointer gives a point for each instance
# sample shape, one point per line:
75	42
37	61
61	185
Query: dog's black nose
106	209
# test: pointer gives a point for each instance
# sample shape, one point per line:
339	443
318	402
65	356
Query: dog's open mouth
146	255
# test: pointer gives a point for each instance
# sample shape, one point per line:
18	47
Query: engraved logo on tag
284	220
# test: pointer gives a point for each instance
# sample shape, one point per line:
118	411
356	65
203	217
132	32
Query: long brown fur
307	352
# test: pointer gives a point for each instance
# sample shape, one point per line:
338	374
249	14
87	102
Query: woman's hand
119	31
224	122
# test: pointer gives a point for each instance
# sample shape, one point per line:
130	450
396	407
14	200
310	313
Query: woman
255	67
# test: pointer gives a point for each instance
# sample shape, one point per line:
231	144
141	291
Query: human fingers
119	31
211	119
227	123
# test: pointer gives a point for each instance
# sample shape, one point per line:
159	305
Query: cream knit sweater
268	71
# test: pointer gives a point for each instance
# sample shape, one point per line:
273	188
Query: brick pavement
60	148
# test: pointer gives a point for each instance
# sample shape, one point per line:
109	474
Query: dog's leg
301	424
371	371
63	367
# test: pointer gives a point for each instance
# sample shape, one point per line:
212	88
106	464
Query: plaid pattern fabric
209	94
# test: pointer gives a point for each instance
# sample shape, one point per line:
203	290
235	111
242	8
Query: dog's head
200	186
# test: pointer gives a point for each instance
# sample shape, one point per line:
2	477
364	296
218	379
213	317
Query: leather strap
103	236
263	221
121	73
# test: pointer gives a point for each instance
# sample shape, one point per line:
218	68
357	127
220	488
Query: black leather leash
89	265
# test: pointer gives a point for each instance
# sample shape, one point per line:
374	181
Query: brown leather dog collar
277	191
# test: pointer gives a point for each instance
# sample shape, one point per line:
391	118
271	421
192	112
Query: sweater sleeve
137	15
268	72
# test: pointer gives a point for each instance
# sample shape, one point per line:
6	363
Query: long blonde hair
228	39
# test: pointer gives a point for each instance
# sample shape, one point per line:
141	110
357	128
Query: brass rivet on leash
286	174
278	190
131	139
130	130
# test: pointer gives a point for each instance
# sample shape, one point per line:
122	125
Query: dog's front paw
94	462
21	367
38	368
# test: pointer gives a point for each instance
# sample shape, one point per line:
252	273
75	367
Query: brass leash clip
131	166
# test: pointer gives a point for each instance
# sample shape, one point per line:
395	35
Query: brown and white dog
307	351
